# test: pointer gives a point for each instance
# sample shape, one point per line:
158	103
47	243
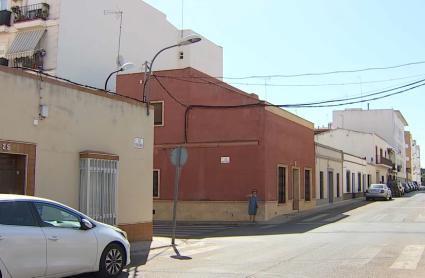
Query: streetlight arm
112	73
151	66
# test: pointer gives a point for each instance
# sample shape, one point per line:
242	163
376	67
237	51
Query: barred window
98	189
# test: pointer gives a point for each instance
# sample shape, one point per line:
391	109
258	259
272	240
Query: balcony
385	161
32	62
31	12
5	17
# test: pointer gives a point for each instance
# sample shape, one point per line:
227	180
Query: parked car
378	191
43	238
406	187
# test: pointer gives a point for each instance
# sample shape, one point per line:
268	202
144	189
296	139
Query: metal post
176	194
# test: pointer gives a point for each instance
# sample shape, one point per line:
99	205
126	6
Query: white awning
25	44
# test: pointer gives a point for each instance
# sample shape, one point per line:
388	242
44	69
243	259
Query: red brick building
231	149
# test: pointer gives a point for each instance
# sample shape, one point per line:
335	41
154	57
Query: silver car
378	191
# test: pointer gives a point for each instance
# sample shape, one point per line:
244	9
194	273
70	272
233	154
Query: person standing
252	206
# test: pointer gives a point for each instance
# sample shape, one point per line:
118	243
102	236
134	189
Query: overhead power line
311	73
327	84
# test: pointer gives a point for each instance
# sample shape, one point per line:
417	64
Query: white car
379	191
43	238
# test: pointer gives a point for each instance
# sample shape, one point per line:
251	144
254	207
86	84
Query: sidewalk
281	219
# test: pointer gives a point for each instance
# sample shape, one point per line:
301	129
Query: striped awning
25	44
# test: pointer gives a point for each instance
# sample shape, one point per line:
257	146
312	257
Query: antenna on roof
182	27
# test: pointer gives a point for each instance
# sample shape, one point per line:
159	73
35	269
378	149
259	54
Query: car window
17	214
377	186
53	216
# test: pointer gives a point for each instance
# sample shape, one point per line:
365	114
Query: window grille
99	189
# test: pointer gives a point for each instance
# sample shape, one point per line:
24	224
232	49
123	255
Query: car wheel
112	261
367	199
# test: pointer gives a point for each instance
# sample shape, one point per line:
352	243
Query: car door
22	242
69	248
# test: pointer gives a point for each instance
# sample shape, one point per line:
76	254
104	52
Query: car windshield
377	186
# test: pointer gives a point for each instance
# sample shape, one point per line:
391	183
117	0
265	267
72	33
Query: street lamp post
122	68
184	41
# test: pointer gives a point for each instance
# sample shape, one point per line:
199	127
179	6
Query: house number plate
5	147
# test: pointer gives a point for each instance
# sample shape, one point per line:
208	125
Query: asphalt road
368	239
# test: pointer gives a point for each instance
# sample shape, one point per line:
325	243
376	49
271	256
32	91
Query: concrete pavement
376	239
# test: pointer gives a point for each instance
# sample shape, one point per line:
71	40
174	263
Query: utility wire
353	102
359	97
316	73
326	84
169	93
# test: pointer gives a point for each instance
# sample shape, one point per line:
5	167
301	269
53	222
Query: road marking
409	258
199	250
377	218
335	218
399	218
363	257
311	219
420	218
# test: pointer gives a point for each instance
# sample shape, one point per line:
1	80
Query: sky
282	37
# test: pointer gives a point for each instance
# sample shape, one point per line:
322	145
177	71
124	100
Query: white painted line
335	218
420	218
409	258
199	250
311	219
399	218
363	257
377	218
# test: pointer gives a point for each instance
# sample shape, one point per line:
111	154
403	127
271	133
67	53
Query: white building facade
379	155
416	162
328	175
388	124
81	40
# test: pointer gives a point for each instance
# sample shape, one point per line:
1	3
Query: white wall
328	159
384	122
88	41
355	165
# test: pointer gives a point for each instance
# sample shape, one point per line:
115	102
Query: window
321	185
307	185
158	117
359	182
53	216
3	5
347	181
369	180
17	214
338	193
99	189
281	183
353	181
156	178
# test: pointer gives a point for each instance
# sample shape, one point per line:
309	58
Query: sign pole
176	193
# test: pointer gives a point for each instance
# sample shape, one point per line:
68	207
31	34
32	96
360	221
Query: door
22	242
69	249
331	186
296	189
12	173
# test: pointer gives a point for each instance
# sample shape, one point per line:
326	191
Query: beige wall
78	121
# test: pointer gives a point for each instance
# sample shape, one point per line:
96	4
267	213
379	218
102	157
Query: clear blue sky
266	37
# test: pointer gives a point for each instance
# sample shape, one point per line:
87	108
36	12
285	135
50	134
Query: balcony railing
31	12
385	161
32	62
